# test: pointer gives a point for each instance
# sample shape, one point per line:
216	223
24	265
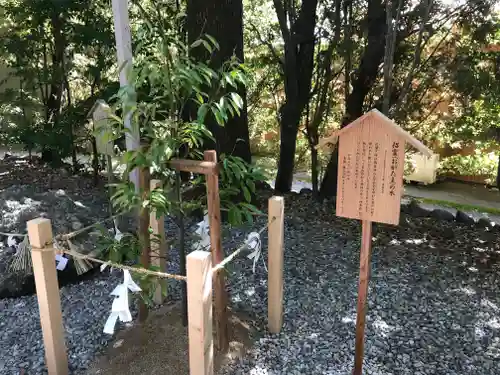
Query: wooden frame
210	169
200	283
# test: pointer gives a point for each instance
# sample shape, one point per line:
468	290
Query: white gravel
431	311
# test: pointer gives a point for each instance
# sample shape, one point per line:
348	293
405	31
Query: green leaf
246	194
202	112
196	43
237	100
218	116
213	40
251	185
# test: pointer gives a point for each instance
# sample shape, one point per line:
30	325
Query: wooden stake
158	254
47	292
199	285
364	276
221	320
276	210
144	239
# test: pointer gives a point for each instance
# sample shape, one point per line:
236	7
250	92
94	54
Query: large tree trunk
290	117
299	42
361	86
223	20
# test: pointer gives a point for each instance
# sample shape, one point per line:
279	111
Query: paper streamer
62	262
118	234
120	308
254	243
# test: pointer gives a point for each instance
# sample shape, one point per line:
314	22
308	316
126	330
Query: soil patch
160	346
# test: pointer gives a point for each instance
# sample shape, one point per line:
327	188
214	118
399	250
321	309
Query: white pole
124	54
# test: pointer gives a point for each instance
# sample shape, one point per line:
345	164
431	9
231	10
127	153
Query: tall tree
362	83
414	41
222	20
297	25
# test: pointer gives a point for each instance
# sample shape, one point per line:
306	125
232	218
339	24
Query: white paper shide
120	308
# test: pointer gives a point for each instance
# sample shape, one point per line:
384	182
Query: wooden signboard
370	185
370	175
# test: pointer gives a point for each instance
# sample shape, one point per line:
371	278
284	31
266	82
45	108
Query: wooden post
199	288
213	200
364	276
158	249
144	239
47	292
276	210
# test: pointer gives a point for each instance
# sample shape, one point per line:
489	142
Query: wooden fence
200	275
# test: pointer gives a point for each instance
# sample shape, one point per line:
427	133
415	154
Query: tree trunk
288	141
361	86
298	36
223	20
314	171
56	86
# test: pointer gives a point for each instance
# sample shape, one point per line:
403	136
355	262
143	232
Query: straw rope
122	266
244	246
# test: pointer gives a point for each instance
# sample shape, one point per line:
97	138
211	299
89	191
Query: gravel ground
434	307
85	306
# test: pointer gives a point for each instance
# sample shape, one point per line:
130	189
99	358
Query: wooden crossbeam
195	166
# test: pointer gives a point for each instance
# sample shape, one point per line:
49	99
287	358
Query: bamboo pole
199	287
275	264
47	292
364	276
213	200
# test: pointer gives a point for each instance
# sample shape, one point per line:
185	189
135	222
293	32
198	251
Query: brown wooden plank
370	175
276	210
47	293
220	292
364	277
199	291
206	167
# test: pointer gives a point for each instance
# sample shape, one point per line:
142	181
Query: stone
485	222
441	214
415	210
462	217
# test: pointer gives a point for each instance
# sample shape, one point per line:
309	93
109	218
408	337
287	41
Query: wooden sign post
370	183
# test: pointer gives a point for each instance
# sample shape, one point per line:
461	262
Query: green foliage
61	54
162	84
238	181
478	164
165	80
